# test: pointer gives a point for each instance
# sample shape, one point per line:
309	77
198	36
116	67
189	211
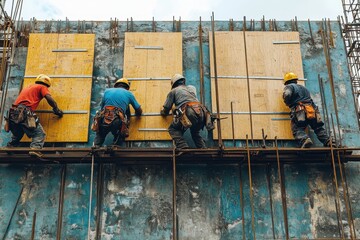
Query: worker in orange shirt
22	118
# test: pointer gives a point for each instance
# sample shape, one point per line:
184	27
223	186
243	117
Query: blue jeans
37	135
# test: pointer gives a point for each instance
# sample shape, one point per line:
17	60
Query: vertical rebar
337	197
174	193
347	192
201	65
323	101
250	187
346	200
311	34
90	195
331	78
242	202
282	189
232	122
268	180
99	201
33	227
333	127
248	83
61	202
216	83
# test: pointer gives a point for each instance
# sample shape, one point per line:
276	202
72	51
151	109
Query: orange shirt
32	95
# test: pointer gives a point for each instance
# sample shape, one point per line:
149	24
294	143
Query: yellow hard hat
42	78
176	78
124	81
290	76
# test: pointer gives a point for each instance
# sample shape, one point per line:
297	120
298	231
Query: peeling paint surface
137	200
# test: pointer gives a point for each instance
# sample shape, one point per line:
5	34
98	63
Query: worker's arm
54	106
287	93
138	111
168	104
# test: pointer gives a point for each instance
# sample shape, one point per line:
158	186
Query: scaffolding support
350	25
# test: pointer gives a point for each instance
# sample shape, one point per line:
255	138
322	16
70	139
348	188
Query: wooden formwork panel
269	56
150	59
68	60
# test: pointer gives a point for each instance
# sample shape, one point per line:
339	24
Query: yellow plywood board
40	57
72	60
270	56
150	59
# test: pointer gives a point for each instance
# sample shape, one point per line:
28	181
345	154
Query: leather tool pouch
185	121
109	114
30	122
300	113
7	123
318	117
310	111
124	129
96	121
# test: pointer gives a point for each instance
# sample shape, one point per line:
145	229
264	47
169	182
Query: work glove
58	112
163	113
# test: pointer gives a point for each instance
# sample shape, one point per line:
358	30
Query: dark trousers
300	135
37	135
114	127
177	131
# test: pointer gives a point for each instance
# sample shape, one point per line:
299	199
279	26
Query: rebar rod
33	227
174	212
250	188
268	180
346	200
90	196
201	65
337	197
282	189
248	83
99	201
220	142
61	202
232	122
242	202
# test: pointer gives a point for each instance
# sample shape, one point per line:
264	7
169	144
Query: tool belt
199	109
107	116
306	111
23	115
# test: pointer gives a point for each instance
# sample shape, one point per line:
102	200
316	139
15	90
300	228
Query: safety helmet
42	78
176	78
290	76
123	81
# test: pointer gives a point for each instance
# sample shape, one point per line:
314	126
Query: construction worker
304	112
188	113
22	118
115	113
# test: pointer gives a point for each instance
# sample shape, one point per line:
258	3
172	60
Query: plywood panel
71	91
270	56
75	54
150	59
230	54
40	58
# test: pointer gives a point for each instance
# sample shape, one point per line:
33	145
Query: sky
187	10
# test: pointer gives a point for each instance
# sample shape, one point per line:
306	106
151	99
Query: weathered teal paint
137	200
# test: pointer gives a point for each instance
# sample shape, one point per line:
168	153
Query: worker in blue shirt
304	112
114	116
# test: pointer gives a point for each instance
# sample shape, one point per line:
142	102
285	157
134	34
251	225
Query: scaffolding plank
72	94
267	63
151	59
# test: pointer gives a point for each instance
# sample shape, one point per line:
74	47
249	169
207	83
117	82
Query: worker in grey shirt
188	113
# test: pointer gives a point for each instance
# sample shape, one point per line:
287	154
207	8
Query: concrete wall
213	201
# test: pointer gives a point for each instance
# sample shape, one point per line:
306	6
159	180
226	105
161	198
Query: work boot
307	143
329	143
35	153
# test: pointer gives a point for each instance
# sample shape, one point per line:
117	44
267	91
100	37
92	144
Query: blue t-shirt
119	97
